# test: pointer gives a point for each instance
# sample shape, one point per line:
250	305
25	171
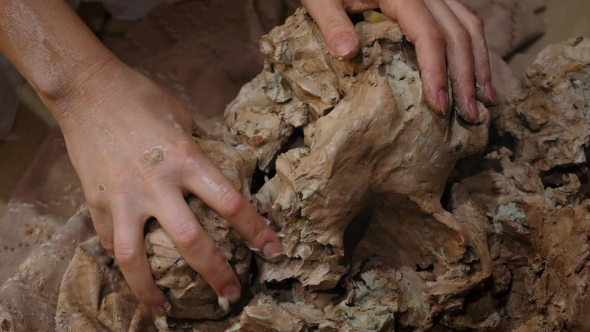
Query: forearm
50	46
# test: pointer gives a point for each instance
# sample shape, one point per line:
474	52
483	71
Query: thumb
339	33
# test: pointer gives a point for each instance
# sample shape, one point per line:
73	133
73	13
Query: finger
215	190
101	217
197	247
131	256
103	225
339	33
459	57
421	28
474	26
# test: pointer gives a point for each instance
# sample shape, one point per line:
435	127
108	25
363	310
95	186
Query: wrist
77	98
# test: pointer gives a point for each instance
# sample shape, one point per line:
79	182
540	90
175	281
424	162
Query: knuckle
359	6
334	25
433	34
126	255
219	275
145	296
232	203
94	200
259	237
331	20
477	24
186	235
184	151
462	37
107	245
190	158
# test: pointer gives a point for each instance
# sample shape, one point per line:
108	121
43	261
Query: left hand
444	33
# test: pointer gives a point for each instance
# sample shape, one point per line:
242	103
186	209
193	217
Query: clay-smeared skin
188	292
155	155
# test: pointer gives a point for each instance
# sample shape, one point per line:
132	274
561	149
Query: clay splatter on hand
155	155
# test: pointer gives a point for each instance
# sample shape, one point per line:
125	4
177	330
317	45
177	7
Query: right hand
446	34
111	123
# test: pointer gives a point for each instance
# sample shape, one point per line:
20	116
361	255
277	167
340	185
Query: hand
443	31
131	145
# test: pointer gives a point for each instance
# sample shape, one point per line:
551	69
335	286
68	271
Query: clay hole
280	291
429	268
259	177
6	325
503	297
399	326
354	233
356	18
469	256
497	141
558	176
445	199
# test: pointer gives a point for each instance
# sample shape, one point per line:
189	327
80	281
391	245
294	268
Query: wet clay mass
388	219
357	200
357	197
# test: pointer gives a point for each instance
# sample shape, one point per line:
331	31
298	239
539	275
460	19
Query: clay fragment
155	155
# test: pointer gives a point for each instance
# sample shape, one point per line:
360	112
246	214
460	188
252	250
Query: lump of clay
189	293
379	152
535	193
366	179
549	114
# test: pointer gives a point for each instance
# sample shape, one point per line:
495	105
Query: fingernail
489	90
231	292
443	101
343	46
270	249
158	310
473	110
